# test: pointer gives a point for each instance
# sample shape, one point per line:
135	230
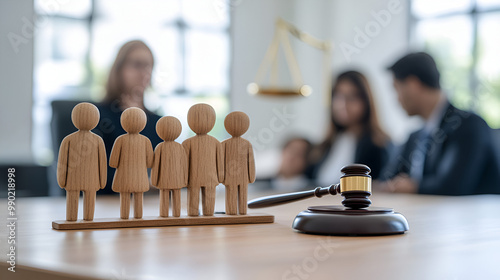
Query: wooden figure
199	162
82	163
170	168
205	160
239	164
132	155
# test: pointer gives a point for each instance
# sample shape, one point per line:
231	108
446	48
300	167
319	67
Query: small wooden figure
82	163
170	168
201	161
132	155
239	167
205	160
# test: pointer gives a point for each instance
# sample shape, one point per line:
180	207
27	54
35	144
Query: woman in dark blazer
354	135
129	77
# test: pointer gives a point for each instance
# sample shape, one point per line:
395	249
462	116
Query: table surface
449	238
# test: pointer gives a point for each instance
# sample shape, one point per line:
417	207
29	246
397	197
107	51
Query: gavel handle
274	200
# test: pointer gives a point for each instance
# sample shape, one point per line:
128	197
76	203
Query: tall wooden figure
132	155
239	168
170	167
205	160
82	162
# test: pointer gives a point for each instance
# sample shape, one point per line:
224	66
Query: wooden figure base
216	219
338	220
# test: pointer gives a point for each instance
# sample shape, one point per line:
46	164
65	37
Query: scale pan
255	89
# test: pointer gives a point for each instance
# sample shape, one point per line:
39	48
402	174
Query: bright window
78	40
463	37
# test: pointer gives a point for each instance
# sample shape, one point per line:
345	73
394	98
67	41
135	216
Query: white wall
382	49
16	80
252	31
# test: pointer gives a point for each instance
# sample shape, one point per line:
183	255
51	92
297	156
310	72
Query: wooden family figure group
200	163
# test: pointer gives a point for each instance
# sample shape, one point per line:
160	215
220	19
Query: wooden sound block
339	220
216	219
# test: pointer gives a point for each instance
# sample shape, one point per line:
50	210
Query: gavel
355	218
355	186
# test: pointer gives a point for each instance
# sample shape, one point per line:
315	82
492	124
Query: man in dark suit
453	154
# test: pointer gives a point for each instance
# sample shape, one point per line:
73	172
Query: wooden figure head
133	120
168	128
85	116
201	118
236	123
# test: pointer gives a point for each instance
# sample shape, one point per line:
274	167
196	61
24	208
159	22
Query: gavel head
356	186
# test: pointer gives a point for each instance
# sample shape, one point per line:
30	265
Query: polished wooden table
449	238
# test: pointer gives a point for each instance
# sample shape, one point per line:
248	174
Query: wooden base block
216	219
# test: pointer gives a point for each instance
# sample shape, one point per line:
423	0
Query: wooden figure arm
251	164
223	145
114	158
62	163
149	153
103	164
220	163
156	165
185	144
185	165
186	147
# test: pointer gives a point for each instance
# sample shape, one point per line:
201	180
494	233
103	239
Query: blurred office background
210	50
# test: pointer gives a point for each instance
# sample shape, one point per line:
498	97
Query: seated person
294	157
129	77
354	136
453	154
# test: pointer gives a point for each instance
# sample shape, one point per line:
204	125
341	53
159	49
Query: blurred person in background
453	154
294	157
354	135
129	77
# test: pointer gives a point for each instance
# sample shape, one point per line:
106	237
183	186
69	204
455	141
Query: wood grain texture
170	167
449	238
72	205
239	163
138	201
216	219
88	205
124	205
131	155
82	163
205	160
